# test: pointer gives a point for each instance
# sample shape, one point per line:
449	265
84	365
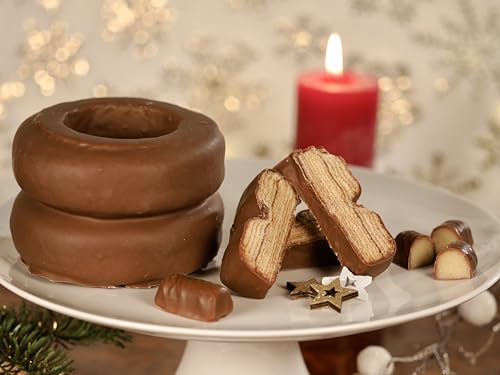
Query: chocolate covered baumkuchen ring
114	252
117	157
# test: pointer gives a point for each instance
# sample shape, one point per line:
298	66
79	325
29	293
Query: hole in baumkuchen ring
123	121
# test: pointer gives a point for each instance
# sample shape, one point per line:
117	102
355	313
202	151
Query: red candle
337	109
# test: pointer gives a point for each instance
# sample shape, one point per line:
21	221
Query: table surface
150	355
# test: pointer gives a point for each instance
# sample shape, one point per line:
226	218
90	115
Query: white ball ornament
480	310
373	360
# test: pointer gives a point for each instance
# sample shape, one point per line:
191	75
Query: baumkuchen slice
356	234
259	236
307	246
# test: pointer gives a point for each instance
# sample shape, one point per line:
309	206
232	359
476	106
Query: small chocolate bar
457	260
307	246
449	231
193	298
413	250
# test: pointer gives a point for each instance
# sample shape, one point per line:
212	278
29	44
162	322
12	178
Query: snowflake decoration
441	174
402	11
397	108
490	144
50	55
468	50
213	81
301	38
141	22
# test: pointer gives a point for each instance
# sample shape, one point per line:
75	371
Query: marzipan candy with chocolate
457	260
449	231
414	250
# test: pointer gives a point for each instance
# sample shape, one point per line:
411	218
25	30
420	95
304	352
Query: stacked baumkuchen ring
112	194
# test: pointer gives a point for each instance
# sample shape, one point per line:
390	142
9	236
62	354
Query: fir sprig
33	339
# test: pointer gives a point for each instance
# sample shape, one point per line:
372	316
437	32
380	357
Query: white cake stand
260	336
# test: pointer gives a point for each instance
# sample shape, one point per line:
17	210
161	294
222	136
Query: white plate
396	296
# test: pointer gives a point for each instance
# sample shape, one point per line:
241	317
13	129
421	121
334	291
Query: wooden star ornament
331	295
301	289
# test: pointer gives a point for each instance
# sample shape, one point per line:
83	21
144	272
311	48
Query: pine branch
66	330
25	347
32	340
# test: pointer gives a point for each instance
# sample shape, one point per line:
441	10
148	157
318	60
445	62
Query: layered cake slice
305	230
356	234
307	246
259	235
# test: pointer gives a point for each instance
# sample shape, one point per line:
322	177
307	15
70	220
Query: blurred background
437	64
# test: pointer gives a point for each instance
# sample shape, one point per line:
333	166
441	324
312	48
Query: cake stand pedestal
224	358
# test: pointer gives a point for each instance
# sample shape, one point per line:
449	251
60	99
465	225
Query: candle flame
334	59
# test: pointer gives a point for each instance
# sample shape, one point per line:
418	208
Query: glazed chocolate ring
101	252
116	157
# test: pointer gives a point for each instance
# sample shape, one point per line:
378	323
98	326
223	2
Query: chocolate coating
113	252
404	240
465	248
118	157
309	254
193	298
461	229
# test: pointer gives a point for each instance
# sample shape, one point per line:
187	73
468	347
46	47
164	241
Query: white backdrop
438	65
